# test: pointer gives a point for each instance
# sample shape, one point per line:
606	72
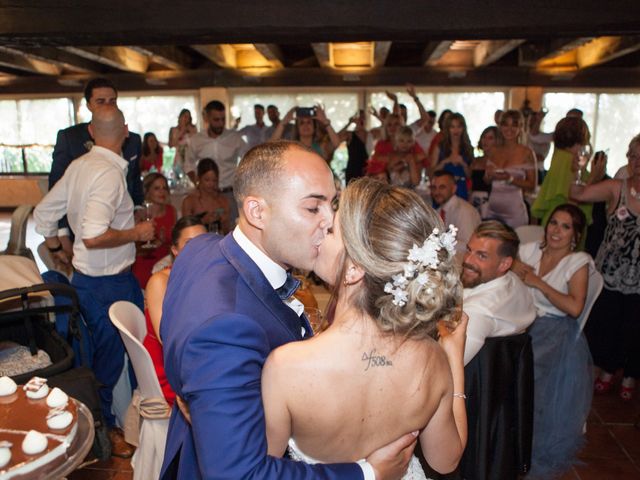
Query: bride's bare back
352	390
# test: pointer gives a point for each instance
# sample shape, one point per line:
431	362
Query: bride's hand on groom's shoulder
184	408
391	461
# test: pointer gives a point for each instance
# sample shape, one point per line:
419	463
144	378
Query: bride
377	371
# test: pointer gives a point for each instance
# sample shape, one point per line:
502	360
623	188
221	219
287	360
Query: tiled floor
612	450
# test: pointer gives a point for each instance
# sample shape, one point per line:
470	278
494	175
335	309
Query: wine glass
148	216
314	315
584	154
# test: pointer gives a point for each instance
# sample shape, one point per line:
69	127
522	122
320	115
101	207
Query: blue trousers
96	295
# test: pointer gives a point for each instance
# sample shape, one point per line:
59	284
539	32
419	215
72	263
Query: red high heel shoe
602	386
626	393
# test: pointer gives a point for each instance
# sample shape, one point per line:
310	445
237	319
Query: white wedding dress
414	472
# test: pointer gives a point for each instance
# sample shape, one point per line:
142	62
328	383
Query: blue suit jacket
221	319
71	144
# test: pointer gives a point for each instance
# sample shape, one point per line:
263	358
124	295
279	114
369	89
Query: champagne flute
148	206
584	154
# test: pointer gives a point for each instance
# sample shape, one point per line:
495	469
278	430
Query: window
476	107
613	120
29	133
339	107
151	113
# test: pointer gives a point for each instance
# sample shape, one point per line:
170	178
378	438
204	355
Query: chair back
596	283
530	233
129	320
499	389
17	244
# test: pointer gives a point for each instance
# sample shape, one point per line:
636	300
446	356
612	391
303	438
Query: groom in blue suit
228	304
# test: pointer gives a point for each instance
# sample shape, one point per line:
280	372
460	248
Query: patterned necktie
290	286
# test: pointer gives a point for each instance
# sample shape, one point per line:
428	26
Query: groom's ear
256	211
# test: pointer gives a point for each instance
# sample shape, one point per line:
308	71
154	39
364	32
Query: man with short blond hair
494	298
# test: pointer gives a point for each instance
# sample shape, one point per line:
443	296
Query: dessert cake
37	426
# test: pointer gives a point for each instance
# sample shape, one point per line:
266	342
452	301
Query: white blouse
558	278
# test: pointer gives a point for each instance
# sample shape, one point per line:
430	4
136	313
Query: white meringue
34	443
57	398
61	421
7	386
5	456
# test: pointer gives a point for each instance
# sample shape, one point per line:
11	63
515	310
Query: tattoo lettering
374	360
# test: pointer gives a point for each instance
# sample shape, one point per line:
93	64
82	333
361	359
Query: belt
226	190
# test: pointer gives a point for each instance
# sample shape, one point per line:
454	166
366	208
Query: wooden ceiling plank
490	51
533	52
271	52
61	58
322	52
14	59
121	58
434	52
165	55
222	55
380	53
604	49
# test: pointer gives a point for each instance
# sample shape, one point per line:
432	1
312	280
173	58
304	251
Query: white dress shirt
504	306
276	276
226	150
422	138
462	215
93	194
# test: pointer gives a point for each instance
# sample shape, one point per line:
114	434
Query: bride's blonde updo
380	223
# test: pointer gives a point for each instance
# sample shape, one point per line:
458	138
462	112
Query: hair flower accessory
420	259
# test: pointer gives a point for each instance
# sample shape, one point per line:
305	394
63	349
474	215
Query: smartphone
305	112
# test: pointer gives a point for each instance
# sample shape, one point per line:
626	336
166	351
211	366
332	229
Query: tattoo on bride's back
374	360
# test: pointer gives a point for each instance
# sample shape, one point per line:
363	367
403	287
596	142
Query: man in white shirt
93	193
454	210
495	299
225	147
258	132
229	304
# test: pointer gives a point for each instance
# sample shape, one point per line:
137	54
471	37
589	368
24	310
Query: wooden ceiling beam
61	58
322	52
15	59
380	53
165	55
604	49
272	53
434	52
117	22
222	55
531	53
490	51
121	58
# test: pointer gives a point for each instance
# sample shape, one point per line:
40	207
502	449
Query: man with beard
495	299
225	147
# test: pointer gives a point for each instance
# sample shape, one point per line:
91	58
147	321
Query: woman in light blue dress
558	277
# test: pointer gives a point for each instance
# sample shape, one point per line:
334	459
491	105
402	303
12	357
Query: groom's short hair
261	168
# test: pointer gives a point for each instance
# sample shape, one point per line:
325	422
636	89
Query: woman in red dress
151	153
157	200
186	228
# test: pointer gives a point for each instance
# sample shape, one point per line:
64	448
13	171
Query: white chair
147	460
17	244
596	283
530	233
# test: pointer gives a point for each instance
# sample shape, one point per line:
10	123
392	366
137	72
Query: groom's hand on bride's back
391	461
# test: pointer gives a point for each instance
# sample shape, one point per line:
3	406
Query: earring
345	283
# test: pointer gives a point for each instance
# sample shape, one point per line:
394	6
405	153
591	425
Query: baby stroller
27	322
